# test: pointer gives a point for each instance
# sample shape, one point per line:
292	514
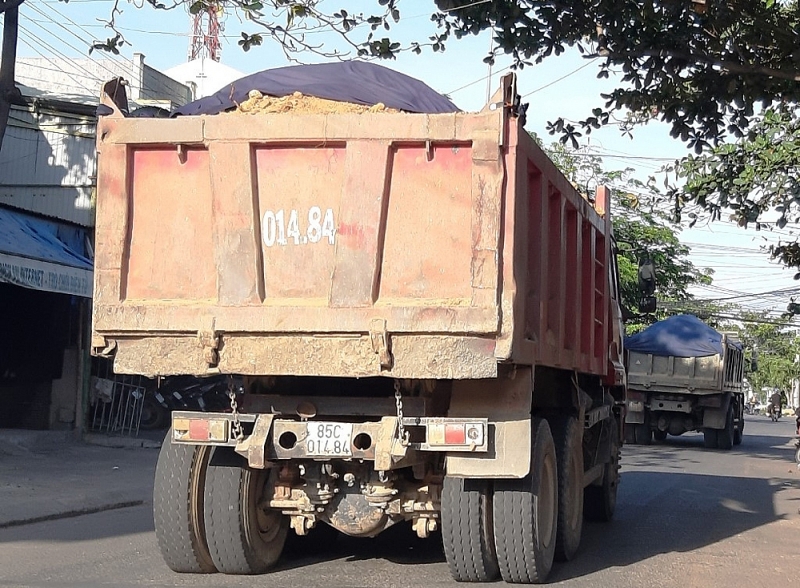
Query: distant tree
641	230
744	180
776	344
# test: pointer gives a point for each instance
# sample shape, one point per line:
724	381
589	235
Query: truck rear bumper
474	447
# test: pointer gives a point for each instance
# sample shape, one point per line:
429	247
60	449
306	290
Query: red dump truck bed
406	245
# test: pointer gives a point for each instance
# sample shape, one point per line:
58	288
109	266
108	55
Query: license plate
329	439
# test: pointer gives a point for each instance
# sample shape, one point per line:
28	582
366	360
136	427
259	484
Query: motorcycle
774	412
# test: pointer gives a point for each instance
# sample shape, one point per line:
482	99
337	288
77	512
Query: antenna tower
205	33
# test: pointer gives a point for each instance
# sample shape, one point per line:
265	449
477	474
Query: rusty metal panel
171	254
428	247
566	277
436	356
414	246
299	193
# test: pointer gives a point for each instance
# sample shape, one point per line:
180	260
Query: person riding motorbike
775	407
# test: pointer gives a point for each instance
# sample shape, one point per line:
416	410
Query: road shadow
664	512
399	544
763	440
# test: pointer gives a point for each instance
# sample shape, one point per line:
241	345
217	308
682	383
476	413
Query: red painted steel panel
170	247
299	198
439	226
429	242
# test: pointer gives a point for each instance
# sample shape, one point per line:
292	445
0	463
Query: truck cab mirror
647	285
647	277
647	304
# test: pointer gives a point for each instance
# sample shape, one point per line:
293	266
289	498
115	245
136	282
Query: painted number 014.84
282	227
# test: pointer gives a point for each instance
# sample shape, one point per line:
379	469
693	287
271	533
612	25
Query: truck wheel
526	514
154	416
630	434
178	507
643	434
600	502
243	537
660	435
467	531
738	432
568	438
725	437
710	438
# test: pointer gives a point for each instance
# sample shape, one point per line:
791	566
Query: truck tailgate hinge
380	342
209	340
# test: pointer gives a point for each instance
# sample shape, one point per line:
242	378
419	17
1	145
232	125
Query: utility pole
8	55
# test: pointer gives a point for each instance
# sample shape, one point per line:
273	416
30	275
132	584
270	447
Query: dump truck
685	376
419	314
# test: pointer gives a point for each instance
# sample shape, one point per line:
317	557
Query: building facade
47	203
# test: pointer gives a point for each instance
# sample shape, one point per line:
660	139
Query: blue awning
34	253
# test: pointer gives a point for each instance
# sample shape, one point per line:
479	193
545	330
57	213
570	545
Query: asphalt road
686	516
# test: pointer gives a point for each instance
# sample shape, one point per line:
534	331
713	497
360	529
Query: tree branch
729	66
9	4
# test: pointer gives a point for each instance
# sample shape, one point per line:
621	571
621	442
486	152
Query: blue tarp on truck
347	81
683	335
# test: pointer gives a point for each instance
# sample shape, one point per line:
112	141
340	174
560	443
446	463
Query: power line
564	77
36	38
122	64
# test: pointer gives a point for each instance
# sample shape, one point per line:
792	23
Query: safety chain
238	432
398	400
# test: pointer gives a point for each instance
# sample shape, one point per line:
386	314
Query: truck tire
725	437
242	537
600	502
526	514
568	438
738	433
710	438
629	433
467	531
178	507
643	434
659	435
154	416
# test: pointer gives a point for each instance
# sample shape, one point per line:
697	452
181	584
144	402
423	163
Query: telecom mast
205	33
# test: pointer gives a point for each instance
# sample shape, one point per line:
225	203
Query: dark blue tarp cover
347	81
683	335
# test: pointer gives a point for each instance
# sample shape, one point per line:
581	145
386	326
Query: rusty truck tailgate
345	245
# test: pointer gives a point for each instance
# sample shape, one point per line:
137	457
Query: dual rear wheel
212	518
508	531
515	529
728	436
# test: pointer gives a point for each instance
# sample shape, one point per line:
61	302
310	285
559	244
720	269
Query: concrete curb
120	442
69	514
46	476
